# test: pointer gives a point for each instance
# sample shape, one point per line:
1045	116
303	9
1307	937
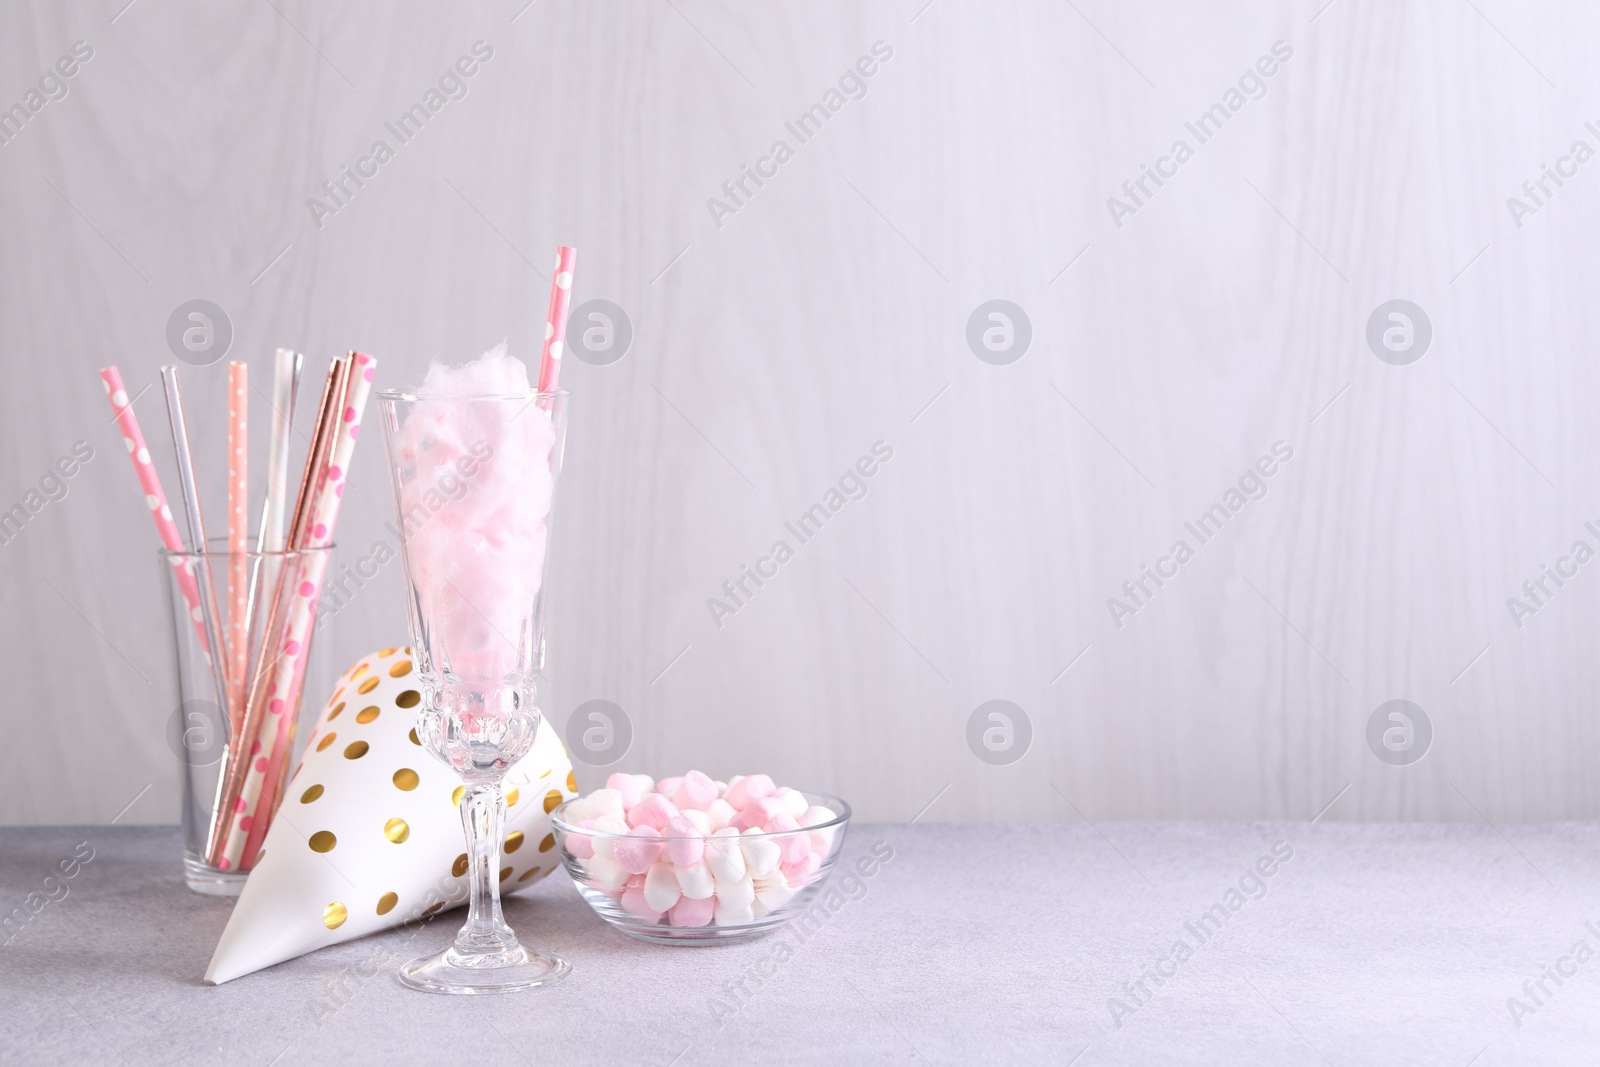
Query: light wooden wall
829	312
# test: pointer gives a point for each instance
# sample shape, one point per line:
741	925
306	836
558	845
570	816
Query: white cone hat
368	835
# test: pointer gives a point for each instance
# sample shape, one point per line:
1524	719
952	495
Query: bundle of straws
277	597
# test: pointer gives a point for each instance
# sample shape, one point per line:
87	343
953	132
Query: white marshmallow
729	915
695	882
724	855
821	840
699	820
606	802
793	801
661	890
773	893
761	854
738	894
721	813
607	824
606	872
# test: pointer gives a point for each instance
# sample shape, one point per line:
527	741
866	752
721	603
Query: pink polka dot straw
154	498
555	326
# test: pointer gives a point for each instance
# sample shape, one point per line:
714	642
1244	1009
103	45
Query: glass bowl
778	875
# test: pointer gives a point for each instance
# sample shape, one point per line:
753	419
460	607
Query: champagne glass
474	477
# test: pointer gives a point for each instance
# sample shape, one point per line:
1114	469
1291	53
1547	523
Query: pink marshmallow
744	790
684	846
668	786
767	809
697	791
634	902
631	787
654	810
581	845
798	872
691	912
792	847
637	851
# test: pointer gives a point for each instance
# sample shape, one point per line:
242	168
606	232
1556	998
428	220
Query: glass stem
483	815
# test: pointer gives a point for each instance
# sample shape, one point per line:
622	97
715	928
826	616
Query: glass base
202	878
454	971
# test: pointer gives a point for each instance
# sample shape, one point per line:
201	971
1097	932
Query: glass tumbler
474	478
211	692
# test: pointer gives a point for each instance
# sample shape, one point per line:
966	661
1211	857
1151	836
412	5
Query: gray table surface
1371	944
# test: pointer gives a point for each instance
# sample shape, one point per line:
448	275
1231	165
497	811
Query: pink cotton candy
690	912
696	791
639	849
475	491
684	845
654	810
756	786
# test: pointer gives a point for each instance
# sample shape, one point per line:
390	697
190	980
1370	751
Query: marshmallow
739	893
724	856
728	915
684	845
606	872
668	786
720	813
699	820
821	840
661	887
604	844
761	854
816	815
741	791
691	912
634	901
696	791
729	784
605	802
630	787
793	847
798	872
654	810
639	849
791	802
696	882
581	845
773	893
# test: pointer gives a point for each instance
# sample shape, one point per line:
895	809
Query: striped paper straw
555	325
289	671
238	543
150	482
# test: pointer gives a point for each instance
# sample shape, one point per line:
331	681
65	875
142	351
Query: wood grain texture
828	313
